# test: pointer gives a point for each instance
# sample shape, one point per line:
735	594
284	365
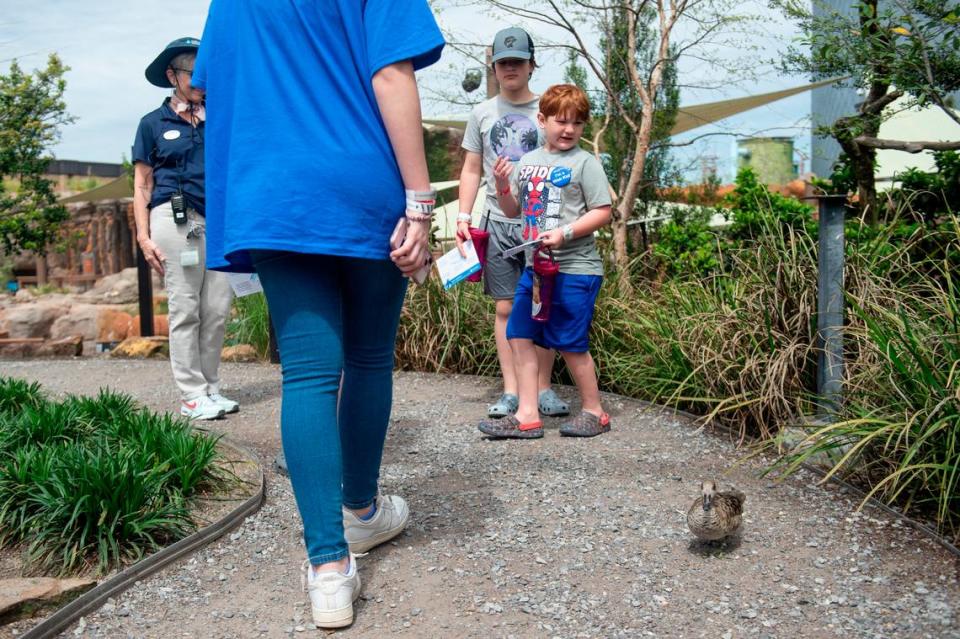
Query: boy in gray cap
504	126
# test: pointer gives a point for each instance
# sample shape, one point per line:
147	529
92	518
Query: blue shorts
571	312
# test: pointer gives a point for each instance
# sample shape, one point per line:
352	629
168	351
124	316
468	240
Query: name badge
189	257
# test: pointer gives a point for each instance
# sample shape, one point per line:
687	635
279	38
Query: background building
770	158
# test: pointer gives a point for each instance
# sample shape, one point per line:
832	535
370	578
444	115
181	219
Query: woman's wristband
503	191
415	216
421	202
463	216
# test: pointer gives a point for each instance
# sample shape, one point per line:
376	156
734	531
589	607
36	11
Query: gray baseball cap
513	43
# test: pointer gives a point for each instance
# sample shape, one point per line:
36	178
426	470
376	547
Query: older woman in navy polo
169	211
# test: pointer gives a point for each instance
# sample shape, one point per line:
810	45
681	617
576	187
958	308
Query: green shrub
687	245
95	480
898	430
249	324
755	208
18	394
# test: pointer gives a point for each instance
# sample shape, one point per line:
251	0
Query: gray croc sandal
551	405
506	405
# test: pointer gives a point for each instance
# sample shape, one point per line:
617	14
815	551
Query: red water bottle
480	239
545	270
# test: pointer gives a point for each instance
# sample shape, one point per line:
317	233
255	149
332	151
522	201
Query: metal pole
830	303
144	295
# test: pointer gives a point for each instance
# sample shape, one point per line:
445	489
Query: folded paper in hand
519	248
454	268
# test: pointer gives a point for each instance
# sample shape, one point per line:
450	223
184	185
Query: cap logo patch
510	41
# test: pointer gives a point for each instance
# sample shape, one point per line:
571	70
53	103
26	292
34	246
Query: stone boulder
161	326
239	353
34	320
71	346
141	348
22	596
24	295
82	319
119	288
113	325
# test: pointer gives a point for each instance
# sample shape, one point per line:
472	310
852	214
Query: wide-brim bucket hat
156	73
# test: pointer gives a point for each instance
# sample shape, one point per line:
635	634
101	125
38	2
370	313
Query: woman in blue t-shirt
314	155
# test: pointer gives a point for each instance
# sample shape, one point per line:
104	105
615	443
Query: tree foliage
898	49
32	110
648	38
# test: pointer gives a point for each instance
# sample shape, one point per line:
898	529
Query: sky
108	43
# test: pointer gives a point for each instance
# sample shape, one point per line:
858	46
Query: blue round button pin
560	176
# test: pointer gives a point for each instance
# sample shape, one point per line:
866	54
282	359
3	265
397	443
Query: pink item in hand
480	239
545	270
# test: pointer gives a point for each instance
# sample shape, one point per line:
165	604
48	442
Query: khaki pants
198	301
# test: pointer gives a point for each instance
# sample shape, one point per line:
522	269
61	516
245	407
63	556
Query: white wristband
420	206
567	232
462	216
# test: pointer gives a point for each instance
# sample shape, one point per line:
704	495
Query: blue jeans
334	317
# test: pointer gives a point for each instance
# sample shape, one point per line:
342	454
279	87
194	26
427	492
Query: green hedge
95	480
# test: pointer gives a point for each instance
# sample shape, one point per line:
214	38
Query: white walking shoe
228	405
200	408
389	521
332	594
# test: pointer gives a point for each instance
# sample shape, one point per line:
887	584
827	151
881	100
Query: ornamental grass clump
96	481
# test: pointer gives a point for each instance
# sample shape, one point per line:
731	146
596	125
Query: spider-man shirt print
513	135
540	199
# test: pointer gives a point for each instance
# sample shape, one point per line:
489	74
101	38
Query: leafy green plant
686	245
898	431
18	394
107	502
249	324
755	208
96	479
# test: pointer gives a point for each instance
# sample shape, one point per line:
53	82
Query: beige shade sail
691	117
116	190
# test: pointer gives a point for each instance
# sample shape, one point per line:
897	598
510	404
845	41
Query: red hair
565	99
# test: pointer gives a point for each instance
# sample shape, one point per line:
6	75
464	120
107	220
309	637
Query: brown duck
715	515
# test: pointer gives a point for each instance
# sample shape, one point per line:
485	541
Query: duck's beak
707	502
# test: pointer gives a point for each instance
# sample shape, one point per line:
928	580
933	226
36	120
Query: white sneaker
200	408
228	405
388	522
332	594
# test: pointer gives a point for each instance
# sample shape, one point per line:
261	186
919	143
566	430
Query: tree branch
911	146
878	105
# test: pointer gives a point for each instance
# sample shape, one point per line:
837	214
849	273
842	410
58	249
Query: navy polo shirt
174	148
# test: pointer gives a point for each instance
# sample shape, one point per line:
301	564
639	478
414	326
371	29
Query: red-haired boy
564	191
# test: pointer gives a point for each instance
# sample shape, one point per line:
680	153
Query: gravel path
546	538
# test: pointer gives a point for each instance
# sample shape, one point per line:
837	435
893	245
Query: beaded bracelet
413	216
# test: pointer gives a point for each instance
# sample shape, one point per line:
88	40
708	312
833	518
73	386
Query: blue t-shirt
174	148
297	155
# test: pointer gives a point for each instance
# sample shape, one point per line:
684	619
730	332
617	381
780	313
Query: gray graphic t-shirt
556	189
498	128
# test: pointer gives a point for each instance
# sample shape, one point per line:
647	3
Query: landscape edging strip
97	596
